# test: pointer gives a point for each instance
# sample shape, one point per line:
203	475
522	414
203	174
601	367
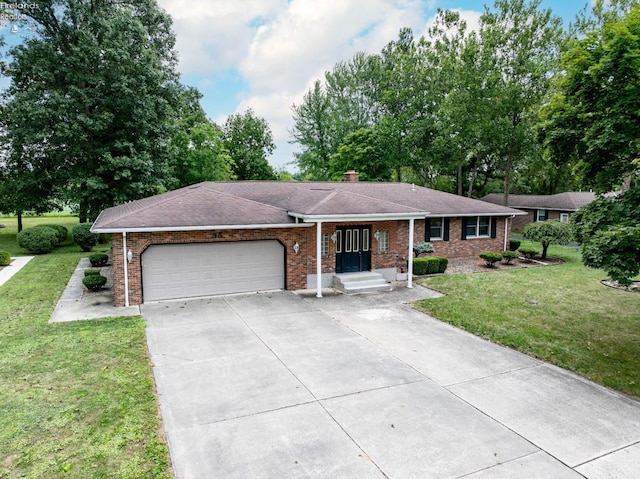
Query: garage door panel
188	270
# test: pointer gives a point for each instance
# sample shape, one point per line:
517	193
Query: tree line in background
95	115
520	105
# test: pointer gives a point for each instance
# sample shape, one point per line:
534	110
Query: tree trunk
19	221
460	180
507	178
82	212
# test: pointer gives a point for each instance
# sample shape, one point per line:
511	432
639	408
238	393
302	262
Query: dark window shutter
464	228
427	229
494	226
445	227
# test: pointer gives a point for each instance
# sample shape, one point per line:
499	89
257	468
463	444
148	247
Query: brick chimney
350	175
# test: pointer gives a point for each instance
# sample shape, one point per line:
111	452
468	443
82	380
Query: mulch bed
478	265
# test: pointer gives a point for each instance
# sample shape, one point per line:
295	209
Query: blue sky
265	54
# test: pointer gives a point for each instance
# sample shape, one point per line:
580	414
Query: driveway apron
275	385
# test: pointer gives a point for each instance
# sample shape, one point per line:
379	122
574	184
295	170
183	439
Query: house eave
154	229
358	217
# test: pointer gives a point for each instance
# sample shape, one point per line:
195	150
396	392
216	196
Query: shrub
514	245
83	237
420	265
422	248
547	233
94	282
61	231
429	265
444	262
491	257
509	256
5	258
528	253
37	240
89	272
98	259
615	251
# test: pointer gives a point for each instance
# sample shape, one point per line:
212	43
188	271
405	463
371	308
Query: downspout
506	230
319	259
126	268
410	256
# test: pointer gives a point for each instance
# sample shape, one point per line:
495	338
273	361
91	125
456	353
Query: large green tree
95	92
249	142
593	116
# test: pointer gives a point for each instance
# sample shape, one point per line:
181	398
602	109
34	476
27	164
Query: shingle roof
253	203
569	201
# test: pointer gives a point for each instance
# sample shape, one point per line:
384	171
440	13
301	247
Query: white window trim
437	238
564	215
325	244
546	215
488	235
383	241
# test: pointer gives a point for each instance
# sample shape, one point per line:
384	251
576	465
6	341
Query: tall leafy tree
95	92
249	141
520	45
593	116
362	151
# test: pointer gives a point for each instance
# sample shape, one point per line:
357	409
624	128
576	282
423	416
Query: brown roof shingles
243	203
568	201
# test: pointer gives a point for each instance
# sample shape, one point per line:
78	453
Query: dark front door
353	250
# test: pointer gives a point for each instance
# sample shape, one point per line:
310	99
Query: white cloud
279	47
213	36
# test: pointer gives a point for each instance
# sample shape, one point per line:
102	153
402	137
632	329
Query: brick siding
297	265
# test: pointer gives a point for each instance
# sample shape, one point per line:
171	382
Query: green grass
77	400
561	314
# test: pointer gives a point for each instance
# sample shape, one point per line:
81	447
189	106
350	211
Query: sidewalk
78	303
16	265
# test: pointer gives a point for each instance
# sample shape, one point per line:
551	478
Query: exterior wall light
376	235
296	247
129	256
334	236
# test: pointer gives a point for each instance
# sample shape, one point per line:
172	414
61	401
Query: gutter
153	229
359	217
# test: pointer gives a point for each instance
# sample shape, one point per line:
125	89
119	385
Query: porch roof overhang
341	218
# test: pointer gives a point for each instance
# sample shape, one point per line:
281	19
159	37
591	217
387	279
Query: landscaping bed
477	265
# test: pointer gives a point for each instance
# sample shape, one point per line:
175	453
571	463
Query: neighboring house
543	207
225	237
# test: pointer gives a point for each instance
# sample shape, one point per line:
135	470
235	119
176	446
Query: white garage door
203	269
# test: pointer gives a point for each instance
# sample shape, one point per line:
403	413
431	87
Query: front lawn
76	400
561	314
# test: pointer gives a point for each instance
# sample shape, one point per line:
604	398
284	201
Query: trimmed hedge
98	259
90	272
83	237
5	258
509	256
528	253
94	282
514	245
430	265
490	258
37	240
61	231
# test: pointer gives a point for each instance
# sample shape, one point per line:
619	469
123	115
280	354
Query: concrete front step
362	282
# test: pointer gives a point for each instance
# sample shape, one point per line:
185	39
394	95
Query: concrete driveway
279	386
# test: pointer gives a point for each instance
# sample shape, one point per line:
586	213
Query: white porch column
410	256
319	259
126	268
